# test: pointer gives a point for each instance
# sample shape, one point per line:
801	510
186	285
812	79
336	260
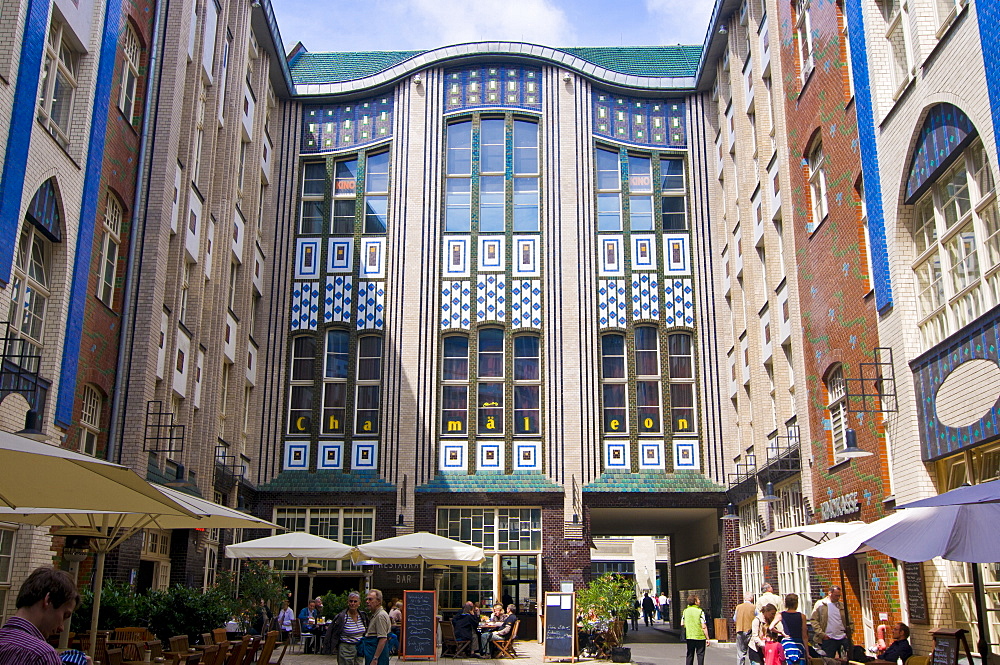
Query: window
234	271
836	392
369	378
185	292
609	185
351	526
527	391
793	569
643	186
672	202
752	563
490	394
455	398
845	48
816	166
859	192
525	154
313	190
377	193
680	351
107	263
90	420
613	384
956	237
897	36
29	294
946	11
647	385
130	71
491	352
300	398
6	561
58	83
458	195
345	201
335	381
640	185
803	38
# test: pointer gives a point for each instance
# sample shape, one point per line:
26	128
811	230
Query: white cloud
430	23
682	22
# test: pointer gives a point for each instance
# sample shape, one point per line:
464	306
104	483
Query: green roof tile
327	481
490	482
680	481
656	61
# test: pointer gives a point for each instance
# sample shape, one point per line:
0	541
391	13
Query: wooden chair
506	646
917	660
281	656
155	648
113	657
220	655
209	654
450	646
219	636
265	651
238	651
101	648
298	637
178	643
251	655
207	639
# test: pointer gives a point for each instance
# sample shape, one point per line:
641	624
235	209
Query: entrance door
519	585
866	606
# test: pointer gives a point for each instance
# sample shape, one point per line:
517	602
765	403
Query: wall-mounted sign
839	506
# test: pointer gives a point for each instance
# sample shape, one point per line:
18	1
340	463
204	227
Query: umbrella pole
984	620
98	585
298	564
421	574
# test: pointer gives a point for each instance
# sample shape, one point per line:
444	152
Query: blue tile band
988	13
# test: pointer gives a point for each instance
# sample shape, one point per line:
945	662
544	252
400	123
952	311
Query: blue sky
376	25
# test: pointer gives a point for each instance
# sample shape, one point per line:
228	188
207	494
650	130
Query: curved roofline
552	55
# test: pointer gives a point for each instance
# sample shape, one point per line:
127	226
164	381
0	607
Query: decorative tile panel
456	310
612	257
364	456
331	455
526	304
491	297
334	126
643	252
945	132
306	258
489	456
651	454
340	255
456	256
296	455
644	122
527	455
612	303
525	256
338	299
676	255
493	87
616	454
305	305
686	455
372	258
491	253
453	457
645	296
371	305
678	302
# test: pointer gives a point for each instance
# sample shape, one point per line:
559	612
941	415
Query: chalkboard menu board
419	625
946	643
916	601
560	626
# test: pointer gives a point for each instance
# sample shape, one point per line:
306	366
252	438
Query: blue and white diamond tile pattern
296	455
338	299
612	259
305	305
645	296
675	253
643	252
526	303
489	456
491	253
331	455
678	302
686	455
526	256
616	454
651	455
453	457
456	308
371	305
491	297
364	456
527	455
612	303
340	255
456	257
372	258
307	258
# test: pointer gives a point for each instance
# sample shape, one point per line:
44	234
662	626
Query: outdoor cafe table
131	649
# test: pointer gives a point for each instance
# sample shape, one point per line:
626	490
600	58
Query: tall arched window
335	381
836	400
490	393
131	51
680	351
30	295
369	385
527	388
90	420
817	184
300	392
107	263
647	384
613	384
455	388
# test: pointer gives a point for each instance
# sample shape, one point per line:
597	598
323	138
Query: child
774	654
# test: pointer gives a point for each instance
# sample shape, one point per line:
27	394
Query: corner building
497	323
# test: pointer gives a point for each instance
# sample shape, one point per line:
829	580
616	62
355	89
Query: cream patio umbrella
293	545
107	529
794	539
423	548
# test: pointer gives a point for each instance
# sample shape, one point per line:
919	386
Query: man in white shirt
664	607
768	597
831	625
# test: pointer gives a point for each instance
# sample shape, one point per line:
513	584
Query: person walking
743	617
648	607
831	625
343	637
767	596
695	630
376	640
758	632
634	614
792	624
664	607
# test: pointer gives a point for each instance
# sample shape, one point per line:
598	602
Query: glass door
519	586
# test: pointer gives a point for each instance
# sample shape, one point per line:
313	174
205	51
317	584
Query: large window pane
343	217
682	406
641	213
346	178
609	212
647	399
613	357
314	179
311	220
490	408
608	171
492	146
647	351
378	173
525	204
376	214
366	410
336	354
614	408
681	356
491	352
491	204
672	174
674	213
526	358
370	358
460	148
454	409
525	147
458	205
640	175
526	409
334	407
456	358
303	356
300	403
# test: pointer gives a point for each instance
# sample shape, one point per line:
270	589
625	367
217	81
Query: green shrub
335	603
182	610
611	596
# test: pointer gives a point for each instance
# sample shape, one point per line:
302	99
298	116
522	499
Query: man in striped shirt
46	599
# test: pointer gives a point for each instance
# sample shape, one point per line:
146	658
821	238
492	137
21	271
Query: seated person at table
396	613
498	614
900	647
466	627
307	622
501	633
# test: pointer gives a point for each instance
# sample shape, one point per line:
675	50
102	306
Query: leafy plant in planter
611	596
257	581
335	603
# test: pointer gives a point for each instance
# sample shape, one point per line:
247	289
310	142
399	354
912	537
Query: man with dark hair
46	599
831	625
900	648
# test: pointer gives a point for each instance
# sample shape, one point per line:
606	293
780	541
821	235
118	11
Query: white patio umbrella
292	545
423	548
794	539
954	532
